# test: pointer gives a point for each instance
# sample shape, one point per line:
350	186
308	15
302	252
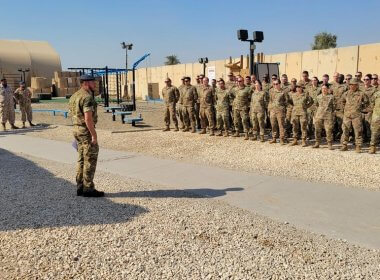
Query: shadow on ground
37	128
186	193
32	197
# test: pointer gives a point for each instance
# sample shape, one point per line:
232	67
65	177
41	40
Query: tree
172	60
324	40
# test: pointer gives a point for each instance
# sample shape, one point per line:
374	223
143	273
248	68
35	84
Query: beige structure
365	58
38	56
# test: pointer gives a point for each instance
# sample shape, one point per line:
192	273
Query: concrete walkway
336	211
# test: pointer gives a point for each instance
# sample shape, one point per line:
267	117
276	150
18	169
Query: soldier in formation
170	95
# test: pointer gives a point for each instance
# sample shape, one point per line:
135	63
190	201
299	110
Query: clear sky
88	33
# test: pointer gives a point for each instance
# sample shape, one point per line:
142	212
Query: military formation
8	101
346	109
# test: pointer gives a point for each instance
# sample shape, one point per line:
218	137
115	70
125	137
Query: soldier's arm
177	95
88	108
196	95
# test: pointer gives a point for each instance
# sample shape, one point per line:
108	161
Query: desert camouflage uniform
286	88
24	99
314	92
367	114
180	106
375	122
300	102
338	90
354	103
198	88
222	97
189	98
170	96
80	103
7	109
241	108
278	101
324	116
206	100
259	103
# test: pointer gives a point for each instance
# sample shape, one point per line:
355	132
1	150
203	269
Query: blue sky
88	33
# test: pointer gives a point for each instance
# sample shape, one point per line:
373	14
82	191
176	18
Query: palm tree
172	60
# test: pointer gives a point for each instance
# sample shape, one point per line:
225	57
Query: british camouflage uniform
170	95
81	102
222	98
324	118
259	104
206	113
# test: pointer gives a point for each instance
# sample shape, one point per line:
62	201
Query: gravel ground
143	231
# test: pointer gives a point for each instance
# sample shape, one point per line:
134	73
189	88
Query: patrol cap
85	78
184	77
22	83
167	80
354	81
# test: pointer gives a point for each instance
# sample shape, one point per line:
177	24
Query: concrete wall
365	58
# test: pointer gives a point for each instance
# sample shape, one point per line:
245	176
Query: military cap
22	83
230	74
354	81
184	77
167	80
86	77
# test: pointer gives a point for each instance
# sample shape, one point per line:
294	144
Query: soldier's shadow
33	197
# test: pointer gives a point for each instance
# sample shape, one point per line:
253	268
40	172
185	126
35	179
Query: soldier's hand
94	141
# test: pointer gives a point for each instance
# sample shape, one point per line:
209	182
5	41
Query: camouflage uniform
354	103
188	98
278	102
206	100
170	96
241	109
367	114
80	103
324	118
338	90
24	99
230	85
222	97
286	87
198	88
300	102
259	103
375	122
180	106
314	92
7	109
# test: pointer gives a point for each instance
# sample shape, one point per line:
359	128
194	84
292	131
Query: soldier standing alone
24	99
83	110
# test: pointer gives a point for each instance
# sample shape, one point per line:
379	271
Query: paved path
337	211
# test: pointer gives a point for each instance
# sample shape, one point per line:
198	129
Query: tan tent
37	56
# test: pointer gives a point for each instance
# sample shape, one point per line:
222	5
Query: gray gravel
315	165
143	231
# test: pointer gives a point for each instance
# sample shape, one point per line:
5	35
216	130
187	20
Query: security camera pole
24	71
204	61
258	36
126	47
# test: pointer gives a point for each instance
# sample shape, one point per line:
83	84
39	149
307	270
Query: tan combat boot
344	148
23	125
282	141
316	145
372	150
176	128
254	137
294	142
3	126
220	133
304	143
237	134
193	129
203	131
186	129
226	133
330	146
246	136
212	133
166	129
358	149
262	138
273	141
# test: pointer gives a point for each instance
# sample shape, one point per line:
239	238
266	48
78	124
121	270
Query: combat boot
273	141
166	129
89	192
330	146
246	136
237	134
358	149
212	133
372	149
294	142
203	131
220	133
14	127
344	148
182	127
304	143
282	141
176	128
79	190
193	129
186	129
254	137
226	133
31	124
262	138
23	125
3	125
316	145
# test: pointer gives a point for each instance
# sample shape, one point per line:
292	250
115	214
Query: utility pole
127	48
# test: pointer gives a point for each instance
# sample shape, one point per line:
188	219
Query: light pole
258	36
204	61
127	47
23	73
